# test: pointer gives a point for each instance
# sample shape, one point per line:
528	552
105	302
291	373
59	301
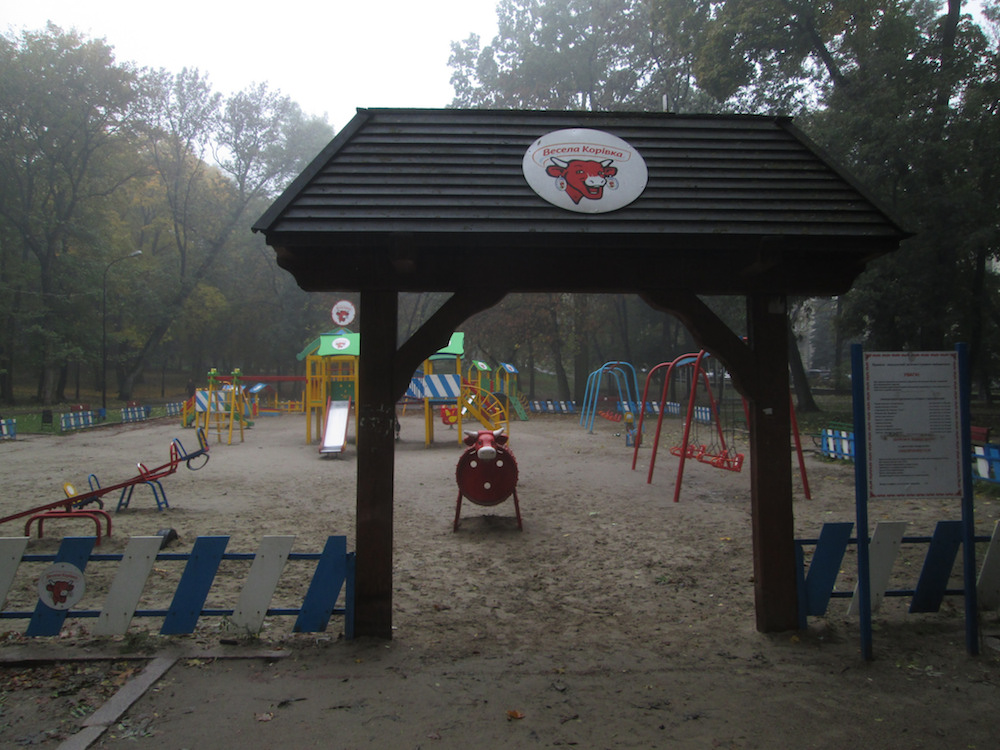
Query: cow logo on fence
588	171
61	586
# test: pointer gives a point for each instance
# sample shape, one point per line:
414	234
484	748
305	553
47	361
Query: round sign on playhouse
584	170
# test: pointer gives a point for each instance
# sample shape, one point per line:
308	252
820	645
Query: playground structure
480	374
74	504
505	385
221	408
486	473
439	387
717	452
331	381
623	377
440	384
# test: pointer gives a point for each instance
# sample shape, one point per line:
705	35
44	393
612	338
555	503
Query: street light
104	329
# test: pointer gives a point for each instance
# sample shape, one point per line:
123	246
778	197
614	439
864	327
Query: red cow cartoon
486	472
60	591
583	178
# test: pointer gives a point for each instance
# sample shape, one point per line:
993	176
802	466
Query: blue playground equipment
627	384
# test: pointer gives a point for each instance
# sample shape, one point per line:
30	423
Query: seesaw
74	504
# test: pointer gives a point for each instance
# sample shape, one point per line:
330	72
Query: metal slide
335	428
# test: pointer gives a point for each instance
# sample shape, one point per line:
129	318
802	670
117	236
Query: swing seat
729	461
693	451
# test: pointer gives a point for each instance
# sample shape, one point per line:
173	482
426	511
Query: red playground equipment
74	504
486	472
717	453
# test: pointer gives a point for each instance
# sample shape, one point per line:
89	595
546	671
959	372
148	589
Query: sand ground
616	619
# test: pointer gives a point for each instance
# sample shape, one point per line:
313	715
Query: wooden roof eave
805	268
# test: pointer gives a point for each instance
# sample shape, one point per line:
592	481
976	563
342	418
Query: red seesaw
74	505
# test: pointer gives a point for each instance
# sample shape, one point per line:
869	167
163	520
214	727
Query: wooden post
376	455
773	531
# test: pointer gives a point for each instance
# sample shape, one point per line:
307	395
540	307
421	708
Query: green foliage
564	54
98	160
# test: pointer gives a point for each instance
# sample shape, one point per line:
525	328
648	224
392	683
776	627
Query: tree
564	54
67	113
906	96
259	139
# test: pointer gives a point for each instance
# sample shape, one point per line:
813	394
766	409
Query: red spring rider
486	472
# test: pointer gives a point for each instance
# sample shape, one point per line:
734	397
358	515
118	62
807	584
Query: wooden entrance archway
427	200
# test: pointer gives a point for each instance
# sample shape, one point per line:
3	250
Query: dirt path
617	618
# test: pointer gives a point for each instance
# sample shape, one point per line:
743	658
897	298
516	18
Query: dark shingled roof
738	193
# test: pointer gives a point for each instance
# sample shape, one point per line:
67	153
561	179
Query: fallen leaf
513	715
266	716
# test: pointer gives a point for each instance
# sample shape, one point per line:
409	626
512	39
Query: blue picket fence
330	592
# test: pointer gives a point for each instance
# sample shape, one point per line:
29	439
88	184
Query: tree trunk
978	360
562	381
581	355
803	393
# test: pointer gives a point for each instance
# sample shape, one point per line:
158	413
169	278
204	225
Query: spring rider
486	472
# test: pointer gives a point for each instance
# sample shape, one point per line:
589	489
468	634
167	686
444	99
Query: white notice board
912	424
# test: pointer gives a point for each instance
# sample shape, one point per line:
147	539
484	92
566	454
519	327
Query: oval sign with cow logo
61	586
583	170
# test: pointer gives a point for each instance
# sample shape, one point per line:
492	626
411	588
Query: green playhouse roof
347	344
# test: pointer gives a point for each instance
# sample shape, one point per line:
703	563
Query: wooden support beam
434	333
711	333
383	374
376	458
760	372
773	527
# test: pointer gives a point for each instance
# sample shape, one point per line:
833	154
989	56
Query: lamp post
104	329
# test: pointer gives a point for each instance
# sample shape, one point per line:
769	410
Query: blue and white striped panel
703	414
8	429
76	420
442	386
416	390
201	401
134	414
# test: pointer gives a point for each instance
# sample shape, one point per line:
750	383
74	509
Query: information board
912	424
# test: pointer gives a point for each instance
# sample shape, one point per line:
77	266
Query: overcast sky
329	57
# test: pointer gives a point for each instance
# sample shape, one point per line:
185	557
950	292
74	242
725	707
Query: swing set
622	375
717	452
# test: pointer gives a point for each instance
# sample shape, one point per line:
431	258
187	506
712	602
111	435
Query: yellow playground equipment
458	398
331	375
222	407
505	386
